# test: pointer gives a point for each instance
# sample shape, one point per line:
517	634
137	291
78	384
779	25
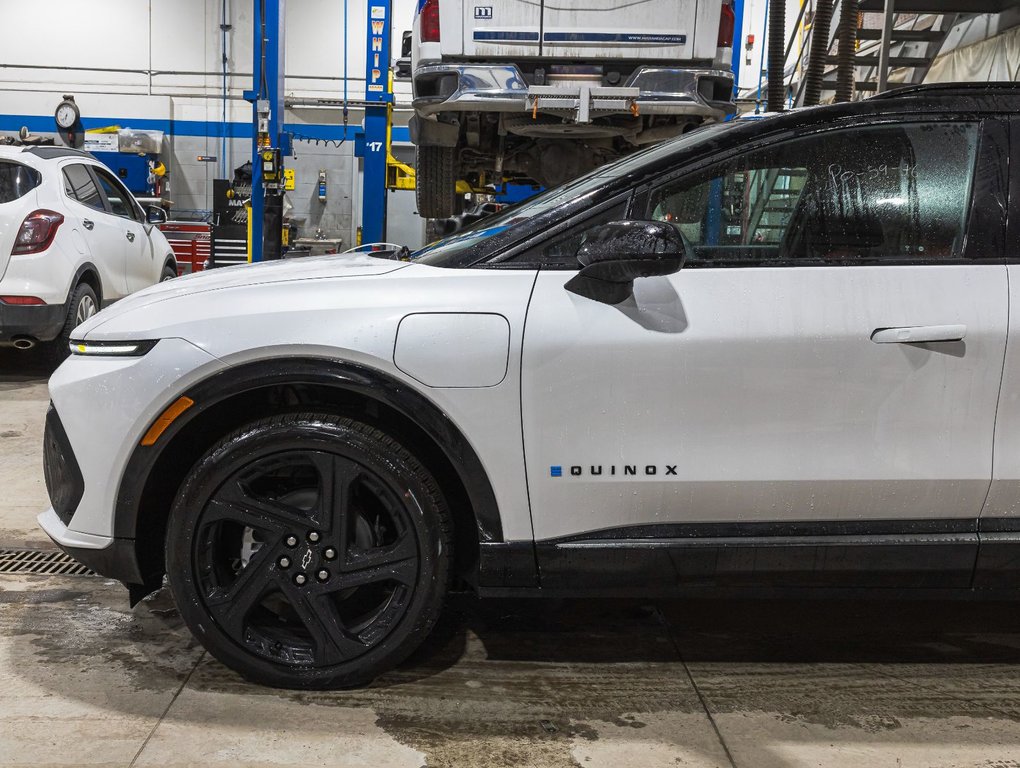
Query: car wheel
309	551
82	306
169	273
436	182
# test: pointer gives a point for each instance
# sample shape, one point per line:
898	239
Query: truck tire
436	182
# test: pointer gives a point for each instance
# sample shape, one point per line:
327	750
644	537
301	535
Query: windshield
449	252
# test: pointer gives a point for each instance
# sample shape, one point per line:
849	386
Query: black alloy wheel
309	551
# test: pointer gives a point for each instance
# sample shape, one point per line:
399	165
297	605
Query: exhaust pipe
23	342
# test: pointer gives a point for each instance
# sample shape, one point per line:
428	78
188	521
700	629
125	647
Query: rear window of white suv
16	180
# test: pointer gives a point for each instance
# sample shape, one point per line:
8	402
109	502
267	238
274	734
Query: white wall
168	37
130	60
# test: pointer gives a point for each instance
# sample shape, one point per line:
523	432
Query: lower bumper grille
64	482
40	561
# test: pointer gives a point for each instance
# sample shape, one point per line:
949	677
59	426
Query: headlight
111	348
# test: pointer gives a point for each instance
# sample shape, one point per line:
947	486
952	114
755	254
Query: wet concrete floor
84	680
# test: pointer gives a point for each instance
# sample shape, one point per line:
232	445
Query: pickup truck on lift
541	91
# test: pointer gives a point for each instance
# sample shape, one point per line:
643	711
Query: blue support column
267	65
738	42
377	93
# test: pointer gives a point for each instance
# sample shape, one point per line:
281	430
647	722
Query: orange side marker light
168	417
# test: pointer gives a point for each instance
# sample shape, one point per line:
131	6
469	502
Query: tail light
37	232
430	21
727	20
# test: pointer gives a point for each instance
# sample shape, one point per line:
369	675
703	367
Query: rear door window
16	180
78	185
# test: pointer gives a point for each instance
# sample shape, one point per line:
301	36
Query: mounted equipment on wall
68	120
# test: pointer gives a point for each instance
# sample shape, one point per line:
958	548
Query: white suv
776	353
72	239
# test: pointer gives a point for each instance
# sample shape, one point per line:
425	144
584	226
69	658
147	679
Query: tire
258	500
81	307
436	182
169	273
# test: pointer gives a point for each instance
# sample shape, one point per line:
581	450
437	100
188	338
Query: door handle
88	223
919	334
130	236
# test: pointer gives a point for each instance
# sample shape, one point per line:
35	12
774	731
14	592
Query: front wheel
309	551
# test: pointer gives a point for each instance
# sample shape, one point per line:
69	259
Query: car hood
287	270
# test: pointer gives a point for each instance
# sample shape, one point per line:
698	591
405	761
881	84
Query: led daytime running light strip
111	348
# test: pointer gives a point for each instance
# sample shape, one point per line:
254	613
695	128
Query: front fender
344	376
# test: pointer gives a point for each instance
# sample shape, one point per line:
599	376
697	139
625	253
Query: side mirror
619	252
155	215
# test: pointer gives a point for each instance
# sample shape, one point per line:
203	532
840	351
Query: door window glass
79	186
121	201
892	192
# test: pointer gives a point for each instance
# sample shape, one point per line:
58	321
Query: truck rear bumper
702	93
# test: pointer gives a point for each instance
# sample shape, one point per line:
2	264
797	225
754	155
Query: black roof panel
49	153
947	90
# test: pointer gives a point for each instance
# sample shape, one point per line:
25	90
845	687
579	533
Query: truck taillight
37	232
727	20
430	21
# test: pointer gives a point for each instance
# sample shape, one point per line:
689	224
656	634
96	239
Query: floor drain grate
49	562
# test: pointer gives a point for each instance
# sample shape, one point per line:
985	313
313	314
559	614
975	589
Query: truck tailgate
633	29
666	30
507	28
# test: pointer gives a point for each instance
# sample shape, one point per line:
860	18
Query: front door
827	362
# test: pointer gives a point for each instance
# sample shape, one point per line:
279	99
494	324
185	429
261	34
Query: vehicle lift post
268	135
378	98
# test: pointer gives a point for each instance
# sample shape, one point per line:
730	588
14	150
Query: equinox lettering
628	470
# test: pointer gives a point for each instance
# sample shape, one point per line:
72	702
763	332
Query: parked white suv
72	239
776	353
538	92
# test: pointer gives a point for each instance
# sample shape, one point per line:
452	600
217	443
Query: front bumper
107	556
41	322
704	93
102	407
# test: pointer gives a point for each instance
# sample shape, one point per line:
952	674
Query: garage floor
86	681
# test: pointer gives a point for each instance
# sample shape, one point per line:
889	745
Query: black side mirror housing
619	252
155	215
